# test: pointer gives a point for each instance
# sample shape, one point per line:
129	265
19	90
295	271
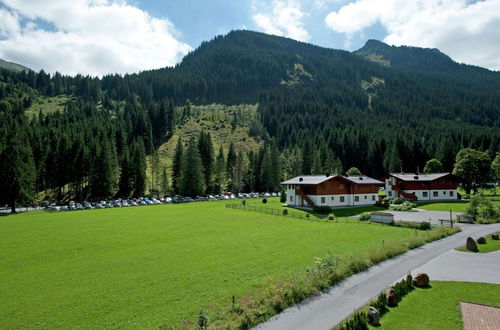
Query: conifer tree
317	167
177	165
206	153
16	165
139	168
220	173
192	182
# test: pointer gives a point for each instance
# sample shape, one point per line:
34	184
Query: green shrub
359	321
202	319
382	203
397	200
285	212
365	216
283	196
322	209
425	225
264	200
381	303
403	287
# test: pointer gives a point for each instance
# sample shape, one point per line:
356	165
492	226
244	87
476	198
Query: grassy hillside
11	66
144	267
226	124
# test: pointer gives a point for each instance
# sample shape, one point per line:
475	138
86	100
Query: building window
373	198
322	200
444	192
366	197
424	193
390	193
451	193
435	194
356	198
342	199
333	198
291	198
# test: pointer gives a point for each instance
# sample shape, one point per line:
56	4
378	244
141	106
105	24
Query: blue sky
98	37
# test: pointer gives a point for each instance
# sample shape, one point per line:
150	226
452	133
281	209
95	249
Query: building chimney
301	179
327	174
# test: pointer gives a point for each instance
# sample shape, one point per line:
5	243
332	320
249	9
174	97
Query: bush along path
249	311
329	308
371	315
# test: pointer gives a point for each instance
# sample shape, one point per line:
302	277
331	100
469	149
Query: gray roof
419	176
309	179
317	179
363	179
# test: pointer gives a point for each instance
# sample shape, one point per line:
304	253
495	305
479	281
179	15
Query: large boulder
421	280
494	237
481	240
373	316
392	300
471	245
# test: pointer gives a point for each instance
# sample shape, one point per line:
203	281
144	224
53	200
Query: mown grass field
455	206
338	213
143	267
438	307
490	246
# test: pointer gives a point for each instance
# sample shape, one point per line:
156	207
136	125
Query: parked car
87	206
99	206
64	208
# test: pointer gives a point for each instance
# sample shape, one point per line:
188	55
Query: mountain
286	107
11	66
414	58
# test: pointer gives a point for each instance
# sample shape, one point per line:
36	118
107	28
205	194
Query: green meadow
438	307
143	267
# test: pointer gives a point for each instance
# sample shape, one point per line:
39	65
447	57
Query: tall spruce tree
17	166
139	168
192	181
220	179
177	165
206	153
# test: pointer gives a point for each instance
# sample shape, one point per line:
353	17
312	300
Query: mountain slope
414	58
11	66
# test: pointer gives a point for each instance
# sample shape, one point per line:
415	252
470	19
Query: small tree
283	196
473	168
433	166
353	171
495	168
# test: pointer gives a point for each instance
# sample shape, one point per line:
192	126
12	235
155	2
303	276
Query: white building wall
348	200
442	194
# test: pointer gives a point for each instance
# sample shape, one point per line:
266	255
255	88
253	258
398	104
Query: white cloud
468	32
284	19
89	37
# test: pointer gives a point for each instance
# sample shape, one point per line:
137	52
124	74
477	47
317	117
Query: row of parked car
71	206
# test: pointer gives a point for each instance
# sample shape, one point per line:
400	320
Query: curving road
328	309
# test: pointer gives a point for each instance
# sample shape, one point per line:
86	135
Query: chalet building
421	187
331	190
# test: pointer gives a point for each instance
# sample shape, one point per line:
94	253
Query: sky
99	37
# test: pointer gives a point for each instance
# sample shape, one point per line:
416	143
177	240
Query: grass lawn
439	306
142	267
455	206
490	246
339	213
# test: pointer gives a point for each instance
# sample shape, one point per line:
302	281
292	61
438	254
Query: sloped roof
309	179
419	177
317	179
363	179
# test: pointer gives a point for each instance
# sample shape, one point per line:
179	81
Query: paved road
464	266
328	309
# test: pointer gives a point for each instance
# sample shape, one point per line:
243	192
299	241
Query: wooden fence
272	211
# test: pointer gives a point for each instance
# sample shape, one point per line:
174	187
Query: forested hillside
319	110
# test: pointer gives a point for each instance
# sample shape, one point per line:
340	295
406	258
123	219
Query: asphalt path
326	310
